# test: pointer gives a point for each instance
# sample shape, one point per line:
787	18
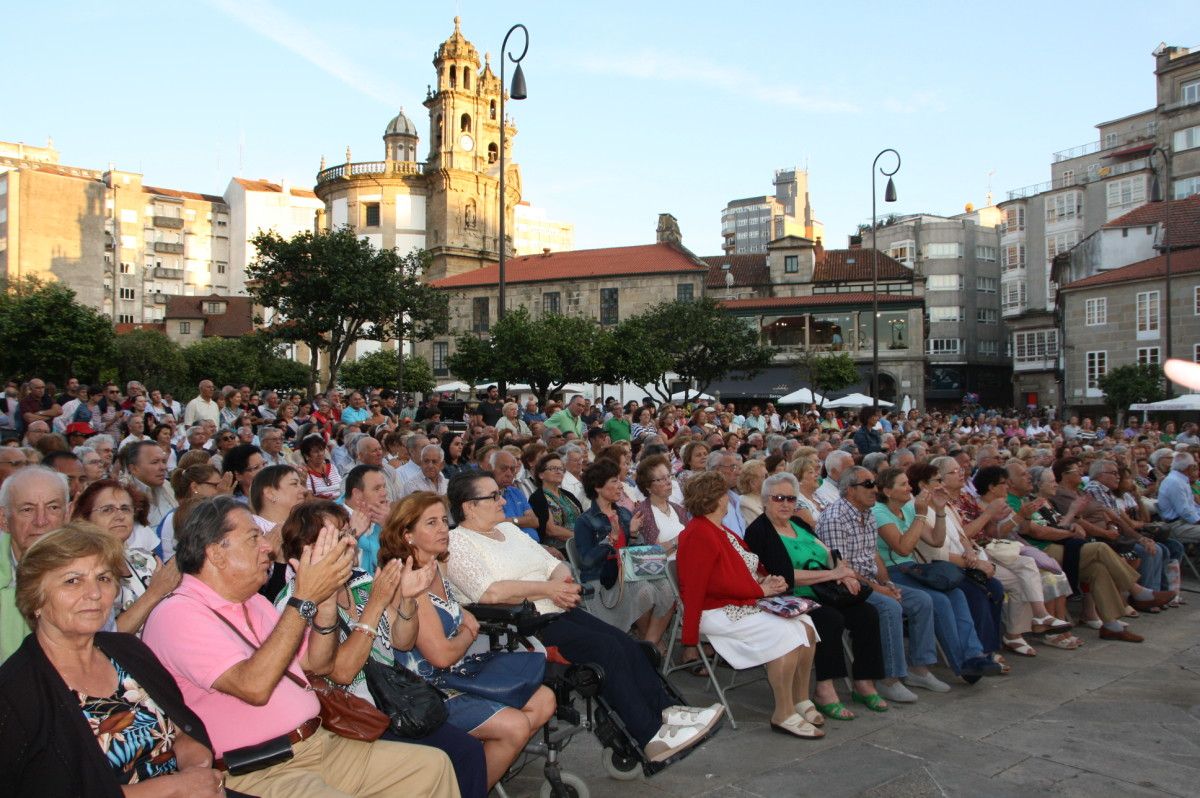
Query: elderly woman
693	457
749	487
720	583
556	508
809	503
643	423
662	520
163	435
320	476
144	579
69	685
619	453
788	547
510	420
492	561
600	534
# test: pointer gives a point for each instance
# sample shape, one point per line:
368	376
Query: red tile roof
747	270
815	301
582	264
237	320
854	265
1185	218
265	185
172	192
1182	262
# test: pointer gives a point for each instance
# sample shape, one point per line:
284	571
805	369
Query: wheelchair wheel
619	766
573	787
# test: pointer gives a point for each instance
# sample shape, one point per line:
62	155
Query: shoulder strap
286	671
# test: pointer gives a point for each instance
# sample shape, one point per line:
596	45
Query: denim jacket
591	533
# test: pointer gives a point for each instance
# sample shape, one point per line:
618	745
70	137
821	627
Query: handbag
1004	552
787	606
414	707
251	758
835	594
937	575
506	677
643	563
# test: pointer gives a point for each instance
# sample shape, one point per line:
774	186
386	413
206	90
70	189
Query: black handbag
937	575
415	707
835	594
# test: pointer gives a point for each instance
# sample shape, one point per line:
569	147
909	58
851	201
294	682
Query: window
492	109
1196	300
493	152
944	282
551	302
943	346
989	347
126	293
1186	187
214	308
1196	353
371	214
904	251
1186	139
1058	244
125	318
938	251
1063	207
1014	258
126	268
1012	297
983	252
1095	312
1014	220
464	123
1127	192
1035	346
791	263
185	328
480	315
1148	356
221	267
1147	312
945	314
441	353
987	316
684	292
987	285
1110	140
1190	92
1097	367
609	307
1068	178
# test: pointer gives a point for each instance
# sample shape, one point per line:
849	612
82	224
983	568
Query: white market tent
679	396
451	387
804	396
856	400
1188	401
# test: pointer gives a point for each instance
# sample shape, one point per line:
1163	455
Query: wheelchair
509	626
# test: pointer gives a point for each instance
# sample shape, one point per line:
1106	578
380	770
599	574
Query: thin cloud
271	22
657	66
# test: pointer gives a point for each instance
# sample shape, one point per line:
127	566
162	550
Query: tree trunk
314	370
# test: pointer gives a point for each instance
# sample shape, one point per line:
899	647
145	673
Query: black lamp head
889	193
518	85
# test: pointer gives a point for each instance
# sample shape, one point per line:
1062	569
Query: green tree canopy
829	372
153	359
332	289
697	341
379	370
255	360
1127	385
45	332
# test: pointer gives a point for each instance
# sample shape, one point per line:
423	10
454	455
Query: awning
770	383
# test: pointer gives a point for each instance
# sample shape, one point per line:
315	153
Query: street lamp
1161	193
518	93
889	195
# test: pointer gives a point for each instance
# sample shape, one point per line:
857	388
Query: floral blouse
142	565
135	735
739	611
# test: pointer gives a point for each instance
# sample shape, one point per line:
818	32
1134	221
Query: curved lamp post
889	195
1161	192
517	93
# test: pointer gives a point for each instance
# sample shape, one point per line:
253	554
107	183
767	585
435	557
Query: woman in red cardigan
720	582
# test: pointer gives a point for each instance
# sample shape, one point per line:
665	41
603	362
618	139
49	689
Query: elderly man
1104	477
67	464
569	419
240	663
268	411
92	462
366	498
368	451
431	478
574	459
11	459
836	463
35	431
357	412
849	526
531	414
145	465
270	441
414	443
34	501
203	407
1176	507
504	468
38	405
728	464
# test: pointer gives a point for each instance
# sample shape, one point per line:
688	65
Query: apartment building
748	224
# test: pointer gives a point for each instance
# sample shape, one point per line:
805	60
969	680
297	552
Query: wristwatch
307	609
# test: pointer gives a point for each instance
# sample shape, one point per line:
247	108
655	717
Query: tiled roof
172	192
1185	219
51	168
815	301
1182	262
265	185
854	265
747	270
581	264
237	320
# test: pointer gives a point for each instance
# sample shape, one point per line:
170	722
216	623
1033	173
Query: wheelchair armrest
522	618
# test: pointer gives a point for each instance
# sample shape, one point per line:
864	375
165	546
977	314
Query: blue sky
634	108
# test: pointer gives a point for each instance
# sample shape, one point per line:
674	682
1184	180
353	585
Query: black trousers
631	685
465	752
865	642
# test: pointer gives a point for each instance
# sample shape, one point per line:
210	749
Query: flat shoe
798	727
836	711
1124	634
1065	641
873	702
808	710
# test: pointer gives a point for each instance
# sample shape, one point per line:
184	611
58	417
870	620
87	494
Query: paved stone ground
1111	718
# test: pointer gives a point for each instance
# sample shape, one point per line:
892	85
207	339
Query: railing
370	168
785	351
171	222
163	273
168	248
1146	131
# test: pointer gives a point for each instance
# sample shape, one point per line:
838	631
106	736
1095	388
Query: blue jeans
1152	570
952	619
919	611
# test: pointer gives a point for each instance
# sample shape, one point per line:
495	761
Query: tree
378	370
1132	384
698	341
45	332
153	359
828	373
225	361
332	289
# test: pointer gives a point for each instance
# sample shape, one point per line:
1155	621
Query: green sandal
835	711
873	702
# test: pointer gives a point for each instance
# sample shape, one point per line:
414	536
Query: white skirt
757	638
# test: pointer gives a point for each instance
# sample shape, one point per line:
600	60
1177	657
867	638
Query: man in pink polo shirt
237	662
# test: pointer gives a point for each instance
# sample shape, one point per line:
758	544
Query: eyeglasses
109	510
783	498
869	483
491	497
660	479
558	469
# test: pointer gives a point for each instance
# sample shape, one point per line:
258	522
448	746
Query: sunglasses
783	498
869	483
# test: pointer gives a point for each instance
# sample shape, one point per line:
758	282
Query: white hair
778	479
25	475
837	459
1182	462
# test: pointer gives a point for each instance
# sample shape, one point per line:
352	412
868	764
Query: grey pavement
1110	718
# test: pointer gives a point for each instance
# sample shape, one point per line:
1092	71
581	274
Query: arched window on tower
464	125
493	153
453	78
466	78
492	109
441	138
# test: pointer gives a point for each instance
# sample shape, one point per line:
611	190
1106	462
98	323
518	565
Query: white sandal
808	710
797	726
1020	646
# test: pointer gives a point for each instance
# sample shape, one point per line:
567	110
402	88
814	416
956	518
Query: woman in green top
787	547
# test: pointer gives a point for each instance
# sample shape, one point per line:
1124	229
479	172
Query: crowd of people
176	579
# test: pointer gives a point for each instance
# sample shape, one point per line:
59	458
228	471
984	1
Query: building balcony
789	353
169	222
165	248
1045	364
385	168
158	298
163	273
1141	133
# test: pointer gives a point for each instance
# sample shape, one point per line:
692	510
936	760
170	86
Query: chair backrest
573	561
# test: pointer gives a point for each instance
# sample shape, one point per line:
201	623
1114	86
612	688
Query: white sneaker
670	740
896	692
928	682
693	716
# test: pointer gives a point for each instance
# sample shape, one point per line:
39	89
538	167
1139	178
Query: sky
634	109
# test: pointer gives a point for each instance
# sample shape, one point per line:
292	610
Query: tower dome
400	139
457	48
400	125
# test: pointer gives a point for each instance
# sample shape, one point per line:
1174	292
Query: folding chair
573	561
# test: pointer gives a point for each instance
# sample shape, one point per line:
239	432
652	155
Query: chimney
668	230
545	251
818	252
856	242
